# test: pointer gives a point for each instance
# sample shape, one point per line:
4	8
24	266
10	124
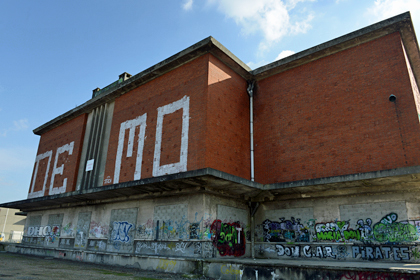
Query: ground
15	266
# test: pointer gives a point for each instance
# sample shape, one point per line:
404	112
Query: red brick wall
218	135
189	80
333	117
50	142
228	142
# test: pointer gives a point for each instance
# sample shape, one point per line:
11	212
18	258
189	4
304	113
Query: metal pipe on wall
250	91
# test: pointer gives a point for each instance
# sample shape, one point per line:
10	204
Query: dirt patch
16	266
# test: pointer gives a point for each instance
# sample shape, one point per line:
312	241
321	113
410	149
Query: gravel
16	266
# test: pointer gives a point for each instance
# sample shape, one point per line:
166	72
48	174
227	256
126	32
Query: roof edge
349	40
345	178
207	45
142	182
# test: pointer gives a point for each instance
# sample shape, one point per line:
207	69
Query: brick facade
333	116
66	140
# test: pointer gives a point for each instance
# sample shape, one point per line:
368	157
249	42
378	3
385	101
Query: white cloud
284	54
273	18
255	65
187	5
20	124
383	9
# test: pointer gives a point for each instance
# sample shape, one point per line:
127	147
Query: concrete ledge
233	268
346	178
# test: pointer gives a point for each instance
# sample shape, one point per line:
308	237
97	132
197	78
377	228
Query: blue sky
54	53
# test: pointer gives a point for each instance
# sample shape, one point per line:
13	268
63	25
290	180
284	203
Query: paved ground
15	266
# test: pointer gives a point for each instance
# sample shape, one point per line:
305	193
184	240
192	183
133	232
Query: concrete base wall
383	227
227	269
199	226
217	235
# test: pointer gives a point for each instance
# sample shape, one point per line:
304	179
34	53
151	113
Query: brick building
312	157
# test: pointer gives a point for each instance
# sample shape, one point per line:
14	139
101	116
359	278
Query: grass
108	272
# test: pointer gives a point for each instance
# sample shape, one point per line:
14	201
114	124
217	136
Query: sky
54	53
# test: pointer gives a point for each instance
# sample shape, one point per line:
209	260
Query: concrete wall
190	226
382	227
333	116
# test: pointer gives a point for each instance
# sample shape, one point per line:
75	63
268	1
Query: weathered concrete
228	268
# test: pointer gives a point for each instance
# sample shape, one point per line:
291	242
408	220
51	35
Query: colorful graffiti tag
388	230
228	238
120	231
285	230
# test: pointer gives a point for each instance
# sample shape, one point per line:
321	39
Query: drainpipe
250	91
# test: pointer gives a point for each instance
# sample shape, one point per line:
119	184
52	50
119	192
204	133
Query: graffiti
145	231
285	230
97	245
131	125
159	170
388	230
107	180
59	170
416	223
199	229
82	229
120	231
67	230
181	228
365	229
381	252
167	230
197	248
229	270
166	265
154	246
56	171
168	248
205	233
181	247
50	233
415	253
228	238
194	230
80	239
44	231
53	235
98	230
338	231
207	250
342	252
373	275
66	242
